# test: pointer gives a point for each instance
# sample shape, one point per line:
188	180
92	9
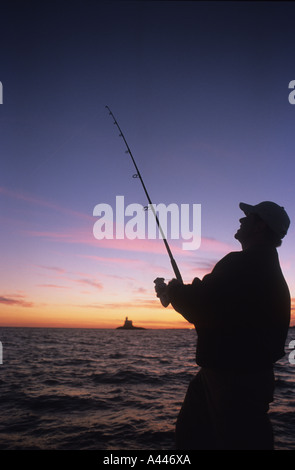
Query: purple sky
200	90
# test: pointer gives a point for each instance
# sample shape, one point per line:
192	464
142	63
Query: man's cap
271	213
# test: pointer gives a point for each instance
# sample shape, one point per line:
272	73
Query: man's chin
237	235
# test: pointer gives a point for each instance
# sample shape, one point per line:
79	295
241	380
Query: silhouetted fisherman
241	312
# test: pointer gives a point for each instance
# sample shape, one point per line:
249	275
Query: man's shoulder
247	259
229	262
232	257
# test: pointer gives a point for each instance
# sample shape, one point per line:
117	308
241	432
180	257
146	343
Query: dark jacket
241	310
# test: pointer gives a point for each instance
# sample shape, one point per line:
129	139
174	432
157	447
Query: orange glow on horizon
77	317
154	317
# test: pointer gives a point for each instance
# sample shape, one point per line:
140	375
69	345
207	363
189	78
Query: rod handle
176	270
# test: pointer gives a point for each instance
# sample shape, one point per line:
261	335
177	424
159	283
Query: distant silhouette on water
241	312
128	325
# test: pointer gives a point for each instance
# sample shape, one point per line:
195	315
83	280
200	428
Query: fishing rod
138	175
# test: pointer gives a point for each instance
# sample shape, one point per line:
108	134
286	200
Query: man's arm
182	297
203	302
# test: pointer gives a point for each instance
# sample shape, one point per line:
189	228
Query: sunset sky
200	90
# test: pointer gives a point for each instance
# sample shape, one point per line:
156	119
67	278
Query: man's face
247	228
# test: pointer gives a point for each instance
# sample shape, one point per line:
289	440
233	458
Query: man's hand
174	283
162	291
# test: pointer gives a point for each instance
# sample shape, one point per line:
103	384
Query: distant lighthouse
128	325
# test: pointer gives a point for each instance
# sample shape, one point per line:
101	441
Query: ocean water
91	389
